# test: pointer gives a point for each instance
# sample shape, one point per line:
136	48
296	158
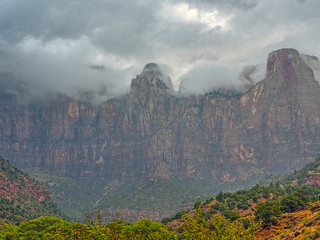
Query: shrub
291	203
267	212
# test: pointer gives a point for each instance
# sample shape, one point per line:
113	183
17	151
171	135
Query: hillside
23	198
131	146
276	211
302	224
285	208
308	175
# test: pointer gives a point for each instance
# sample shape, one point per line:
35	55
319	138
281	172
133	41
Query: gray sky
100	45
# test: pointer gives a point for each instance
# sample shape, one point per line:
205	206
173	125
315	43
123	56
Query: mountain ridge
209	140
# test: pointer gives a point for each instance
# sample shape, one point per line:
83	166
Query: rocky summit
151	133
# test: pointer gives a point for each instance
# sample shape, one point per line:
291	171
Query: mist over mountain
94	49
98	87
153	150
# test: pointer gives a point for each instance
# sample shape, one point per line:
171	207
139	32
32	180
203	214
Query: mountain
125	153
23	198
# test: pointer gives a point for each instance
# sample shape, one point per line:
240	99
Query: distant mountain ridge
150	134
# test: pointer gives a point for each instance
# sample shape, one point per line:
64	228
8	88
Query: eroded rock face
151	133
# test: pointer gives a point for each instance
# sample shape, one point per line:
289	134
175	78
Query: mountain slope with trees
275	211
23	198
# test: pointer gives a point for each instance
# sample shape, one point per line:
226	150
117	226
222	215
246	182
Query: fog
97	47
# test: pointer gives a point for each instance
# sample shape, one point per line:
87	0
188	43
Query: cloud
98	67
77	45
62	66
251	74
184	13
209	76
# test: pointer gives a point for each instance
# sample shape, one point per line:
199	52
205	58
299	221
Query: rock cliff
151	133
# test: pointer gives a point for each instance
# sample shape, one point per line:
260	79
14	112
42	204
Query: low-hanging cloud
47	69
207	77
78	47
251	74
98	67
245	75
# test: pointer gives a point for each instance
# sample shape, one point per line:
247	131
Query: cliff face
285	111
151	133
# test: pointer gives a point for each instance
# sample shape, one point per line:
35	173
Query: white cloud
64	46
184	13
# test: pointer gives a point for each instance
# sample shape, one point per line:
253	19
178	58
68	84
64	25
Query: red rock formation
152	133
13	184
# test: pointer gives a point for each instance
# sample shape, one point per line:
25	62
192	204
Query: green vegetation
75	196
55	228
199	226
268	212
292	199
264	202
298	177
166	194
178	215
24	208
238	215
195	227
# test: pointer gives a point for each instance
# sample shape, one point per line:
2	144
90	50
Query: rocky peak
151	79
287	71
283	58
152	68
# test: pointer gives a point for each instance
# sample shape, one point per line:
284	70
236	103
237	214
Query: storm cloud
98	46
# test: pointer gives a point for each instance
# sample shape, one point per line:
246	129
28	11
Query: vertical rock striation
150	133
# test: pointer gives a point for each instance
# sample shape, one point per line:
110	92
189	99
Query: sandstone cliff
151	133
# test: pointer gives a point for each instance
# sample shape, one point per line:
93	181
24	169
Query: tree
291	203
267	212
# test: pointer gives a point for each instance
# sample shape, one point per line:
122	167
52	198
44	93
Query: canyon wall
153	133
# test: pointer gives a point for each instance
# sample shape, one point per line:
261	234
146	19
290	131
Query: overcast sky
100	45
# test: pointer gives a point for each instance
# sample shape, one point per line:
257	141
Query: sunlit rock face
150	133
